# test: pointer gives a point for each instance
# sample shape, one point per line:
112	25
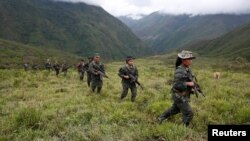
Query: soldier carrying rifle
56	67
86	67
97	70
80	68
184	85
48	65
65	68
129	75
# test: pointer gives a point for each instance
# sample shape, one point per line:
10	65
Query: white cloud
137	7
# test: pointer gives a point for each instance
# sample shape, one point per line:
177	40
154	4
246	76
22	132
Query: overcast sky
136	7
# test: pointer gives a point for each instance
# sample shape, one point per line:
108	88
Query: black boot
186	124
161	119
99	90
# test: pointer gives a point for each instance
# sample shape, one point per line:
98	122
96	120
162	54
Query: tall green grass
40	106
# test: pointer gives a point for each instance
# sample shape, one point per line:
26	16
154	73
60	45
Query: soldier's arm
91	69
180	76
121	73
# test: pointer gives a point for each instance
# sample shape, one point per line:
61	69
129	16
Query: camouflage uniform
86	66
48	66
25	66
57	68
181	97
96	79
127	83
80	68
65	69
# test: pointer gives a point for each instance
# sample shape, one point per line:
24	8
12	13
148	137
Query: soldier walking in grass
26	66
182	88
34	66
86	67
126	72
56	67
48	65
80	68
65	68
97	70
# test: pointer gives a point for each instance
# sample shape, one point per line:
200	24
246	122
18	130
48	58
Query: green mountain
73	27
14	54
231	45
165	32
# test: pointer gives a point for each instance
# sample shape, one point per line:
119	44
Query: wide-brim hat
186	55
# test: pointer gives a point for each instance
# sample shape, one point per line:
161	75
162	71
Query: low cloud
193	7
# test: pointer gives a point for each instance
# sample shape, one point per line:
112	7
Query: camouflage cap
129	58
186	55
96	55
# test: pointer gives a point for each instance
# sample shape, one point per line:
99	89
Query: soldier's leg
88	78
93	85
125	88
187	113
99	86
171	111
81	75
133	92
57	72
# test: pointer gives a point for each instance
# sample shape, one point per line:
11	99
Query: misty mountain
73	27
129	20
233	44
165	32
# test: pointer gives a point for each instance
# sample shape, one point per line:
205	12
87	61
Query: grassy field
40	106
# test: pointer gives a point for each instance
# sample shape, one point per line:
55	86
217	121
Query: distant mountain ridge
231	45
165	32
73	27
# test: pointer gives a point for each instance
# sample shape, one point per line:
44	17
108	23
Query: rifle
65	68
100	71
196	88
102	74
134	79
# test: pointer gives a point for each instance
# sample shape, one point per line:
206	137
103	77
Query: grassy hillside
232	45
40	106
164	32
75	27
14	54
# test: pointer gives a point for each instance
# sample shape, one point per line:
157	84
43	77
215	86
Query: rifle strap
129	70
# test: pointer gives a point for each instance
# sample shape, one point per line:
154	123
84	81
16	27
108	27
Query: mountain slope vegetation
233	44
165	32
74	27
14	54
